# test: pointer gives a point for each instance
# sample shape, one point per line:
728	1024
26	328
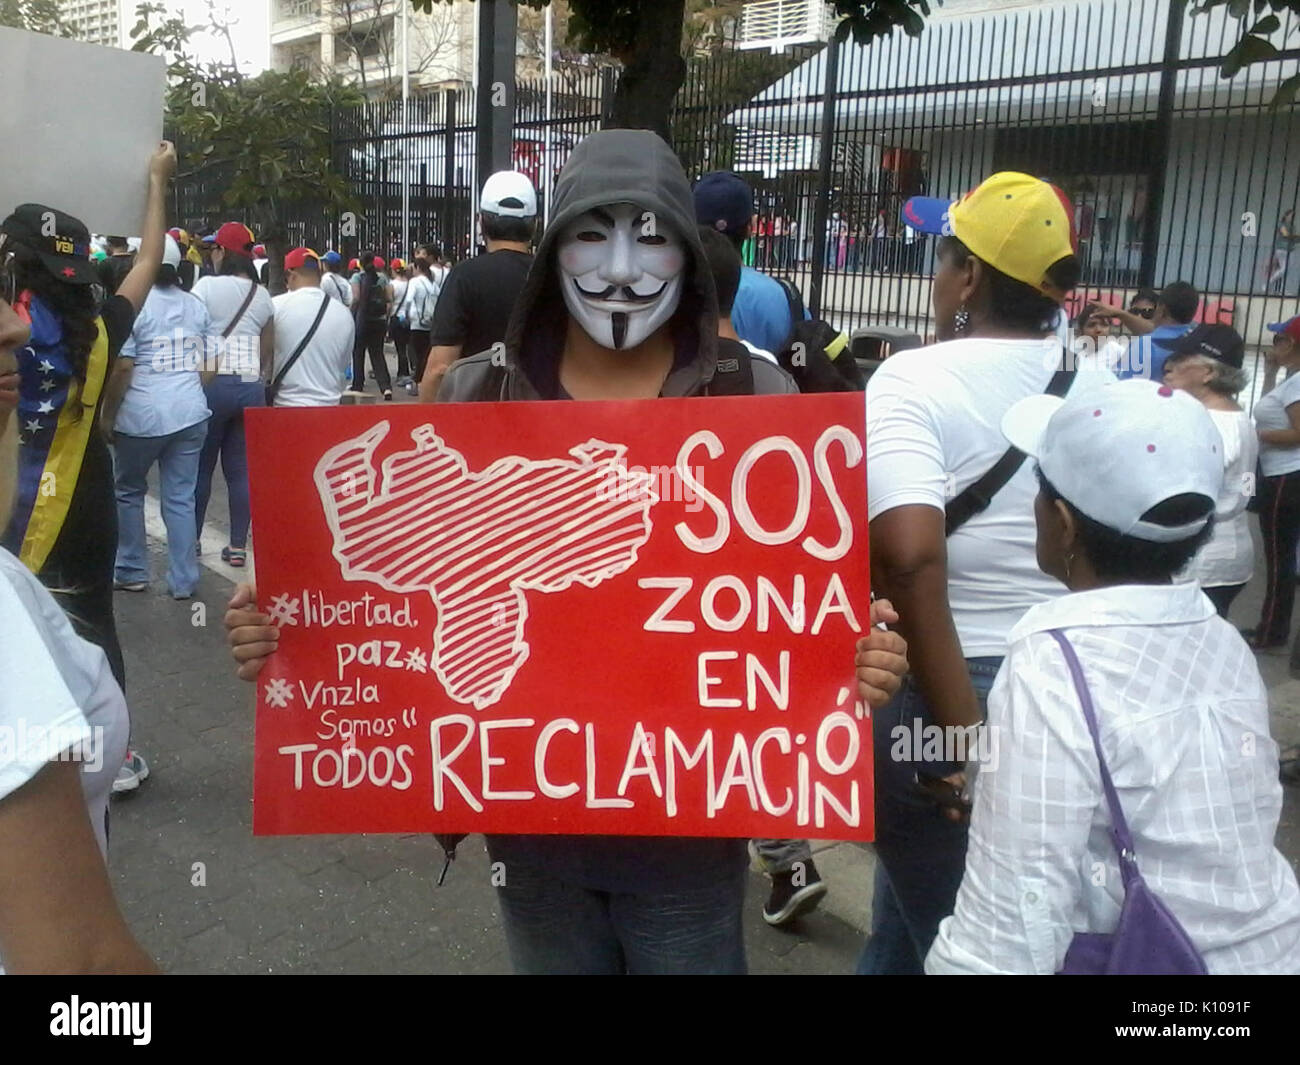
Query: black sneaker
790	900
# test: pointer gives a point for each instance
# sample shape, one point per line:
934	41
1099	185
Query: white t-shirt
1229	557
58	697
934	427
319	377
224	295
1270	413
399	290
336	287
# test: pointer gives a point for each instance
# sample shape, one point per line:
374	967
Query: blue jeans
228	396
920	854
177	456
556	928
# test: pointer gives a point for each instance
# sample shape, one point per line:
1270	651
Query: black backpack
816	354
375	300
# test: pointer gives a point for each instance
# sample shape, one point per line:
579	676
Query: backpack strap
493	388
734	373
239	314
977	497
793	301
274	388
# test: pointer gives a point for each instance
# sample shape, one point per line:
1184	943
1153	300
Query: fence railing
1173	171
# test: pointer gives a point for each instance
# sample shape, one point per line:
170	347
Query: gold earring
1069	561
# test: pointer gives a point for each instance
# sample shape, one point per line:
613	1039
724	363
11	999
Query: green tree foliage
646	37
1254	45
261	143
40	16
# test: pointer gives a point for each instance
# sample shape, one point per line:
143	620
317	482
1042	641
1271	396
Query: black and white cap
509	193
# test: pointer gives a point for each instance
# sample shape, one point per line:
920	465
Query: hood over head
613	167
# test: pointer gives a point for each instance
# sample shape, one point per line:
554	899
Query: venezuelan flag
56	415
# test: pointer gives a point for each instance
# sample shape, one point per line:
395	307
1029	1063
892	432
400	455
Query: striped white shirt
1183	716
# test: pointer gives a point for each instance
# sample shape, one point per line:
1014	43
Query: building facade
106	22
361	40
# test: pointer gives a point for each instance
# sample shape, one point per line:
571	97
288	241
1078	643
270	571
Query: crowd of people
1055	547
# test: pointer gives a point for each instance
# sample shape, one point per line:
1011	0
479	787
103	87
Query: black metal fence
1174	172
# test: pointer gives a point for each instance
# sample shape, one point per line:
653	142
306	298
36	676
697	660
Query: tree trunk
653	71
276	240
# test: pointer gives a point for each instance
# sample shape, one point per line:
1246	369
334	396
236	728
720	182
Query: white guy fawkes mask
621	272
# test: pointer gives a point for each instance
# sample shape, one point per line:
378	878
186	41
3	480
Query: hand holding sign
163	164
881	658
251	635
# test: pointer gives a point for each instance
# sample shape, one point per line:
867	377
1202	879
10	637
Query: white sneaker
134	770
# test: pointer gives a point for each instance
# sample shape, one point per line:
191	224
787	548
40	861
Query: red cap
300	257
259	251
1289	328
236	237
354	264
174	233
379	262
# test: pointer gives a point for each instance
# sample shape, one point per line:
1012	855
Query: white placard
78	124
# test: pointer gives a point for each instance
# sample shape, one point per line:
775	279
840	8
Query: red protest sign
632	618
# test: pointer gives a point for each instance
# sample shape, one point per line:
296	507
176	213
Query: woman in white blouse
1206	364
162	421
1277	424
1129	474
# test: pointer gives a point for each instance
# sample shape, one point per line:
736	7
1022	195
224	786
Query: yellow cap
1017	224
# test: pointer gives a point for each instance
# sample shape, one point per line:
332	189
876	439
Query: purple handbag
1148	939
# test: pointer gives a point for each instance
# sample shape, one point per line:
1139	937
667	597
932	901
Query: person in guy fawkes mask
623	256
618	304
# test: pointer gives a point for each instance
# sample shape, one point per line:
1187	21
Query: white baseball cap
1116	449
171	251
509	193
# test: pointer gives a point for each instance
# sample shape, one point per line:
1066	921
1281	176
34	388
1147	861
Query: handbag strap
976	497
239	314
274	390
1119	831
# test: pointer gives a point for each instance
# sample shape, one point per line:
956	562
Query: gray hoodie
612	166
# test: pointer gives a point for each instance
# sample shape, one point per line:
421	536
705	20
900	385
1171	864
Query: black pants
400	335
370	338
419	352
1279	527
79	569
1222	597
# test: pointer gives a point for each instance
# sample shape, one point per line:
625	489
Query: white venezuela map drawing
478	542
